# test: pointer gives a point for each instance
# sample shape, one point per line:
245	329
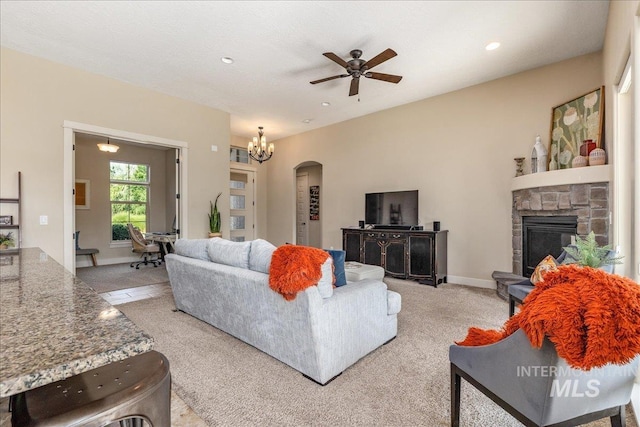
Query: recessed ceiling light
325	104
492	46
306	121
227	60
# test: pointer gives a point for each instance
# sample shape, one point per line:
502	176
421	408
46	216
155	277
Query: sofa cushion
325	284
235	254
394	302
193	248
260	255
338	266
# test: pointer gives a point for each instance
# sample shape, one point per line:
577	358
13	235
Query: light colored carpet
405	383
107	278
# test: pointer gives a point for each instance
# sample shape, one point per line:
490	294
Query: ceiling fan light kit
357	67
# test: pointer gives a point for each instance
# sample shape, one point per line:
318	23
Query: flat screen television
392	208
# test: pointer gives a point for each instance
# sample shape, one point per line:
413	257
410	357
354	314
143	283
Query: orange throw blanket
592	317
295	268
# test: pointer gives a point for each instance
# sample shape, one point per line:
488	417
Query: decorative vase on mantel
519	165
597	157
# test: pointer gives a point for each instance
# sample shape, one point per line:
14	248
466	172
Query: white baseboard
469	281
85	261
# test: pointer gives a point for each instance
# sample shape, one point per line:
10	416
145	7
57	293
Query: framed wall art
6	220
83	194
314	203
573	124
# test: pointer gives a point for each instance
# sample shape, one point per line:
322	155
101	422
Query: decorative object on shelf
597	157
538	157
314	203
553	165
108	147
6	241
258	149
579	162
214	218
519	164
578	120
6	220
587	147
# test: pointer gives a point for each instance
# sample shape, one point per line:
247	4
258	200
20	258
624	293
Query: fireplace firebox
545	235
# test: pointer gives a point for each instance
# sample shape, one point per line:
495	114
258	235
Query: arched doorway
308	204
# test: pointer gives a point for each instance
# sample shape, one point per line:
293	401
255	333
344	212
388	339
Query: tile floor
135	294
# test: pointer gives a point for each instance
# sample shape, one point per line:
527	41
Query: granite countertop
53	325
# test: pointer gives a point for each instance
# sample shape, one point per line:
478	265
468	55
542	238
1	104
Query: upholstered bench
356	271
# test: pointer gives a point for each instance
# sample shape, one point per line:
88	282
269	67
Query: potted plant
6	241
586	252
214	218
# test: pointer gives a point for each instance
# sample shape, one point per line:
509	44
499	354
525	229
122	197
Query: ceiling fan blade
384	77
355	85
335	58
329	78
380	58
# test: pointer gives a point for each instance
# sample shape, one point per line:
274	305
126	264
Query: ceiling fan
357	67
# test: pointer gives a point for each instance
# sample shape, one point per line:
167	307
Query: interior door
302	209
242	205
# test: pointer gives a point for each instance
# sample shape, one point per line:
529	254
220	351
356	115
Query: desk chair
149	251
89	251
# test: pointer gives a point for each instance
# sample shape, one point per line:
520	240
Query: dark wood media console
405	254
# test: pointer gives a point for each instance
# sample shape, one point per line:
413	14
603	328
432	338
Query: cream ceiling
175	47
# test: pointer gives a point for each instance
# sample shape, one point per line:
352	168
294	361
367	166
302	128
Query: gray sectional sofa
323	331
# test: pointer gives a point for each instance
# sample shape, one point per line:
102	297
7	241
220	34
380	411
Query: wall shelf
585	175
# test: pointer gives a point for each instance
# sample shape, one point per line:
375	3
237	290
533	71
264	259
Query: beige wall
37	96
94	224
457	149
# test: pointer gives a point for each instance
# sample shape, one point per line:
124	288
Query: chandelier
258	149
108	147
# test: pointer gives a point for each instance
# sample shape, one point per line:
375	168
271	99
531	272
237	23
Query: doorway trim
69	214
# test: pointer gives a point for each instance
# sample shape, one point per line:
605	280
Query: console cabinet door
351	245
373	251
421	260
395	258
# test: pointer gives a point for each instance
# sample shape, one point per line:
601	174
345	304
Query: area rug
108	278
404	383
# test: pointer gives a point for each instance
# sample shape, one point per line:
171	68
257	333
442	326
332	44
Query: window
239	155
129	194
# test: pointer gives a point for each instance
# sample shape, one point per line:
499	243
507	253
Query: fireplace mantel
583	175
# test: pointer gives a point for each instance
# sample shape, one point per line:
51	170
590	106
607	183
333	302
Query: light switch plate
44	220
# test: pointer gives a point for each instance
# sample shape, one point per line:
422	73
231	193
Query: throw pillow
547	264
338	257
235	254
260	255
193	248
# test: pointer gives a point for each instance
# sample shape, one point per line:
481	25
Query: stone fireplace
582	194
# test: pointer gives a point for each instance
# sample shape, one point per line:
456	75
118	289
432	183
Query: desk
54	326
163	239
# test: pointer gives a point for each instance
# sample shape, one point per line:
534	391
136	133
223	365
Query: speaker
361	224
436	225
